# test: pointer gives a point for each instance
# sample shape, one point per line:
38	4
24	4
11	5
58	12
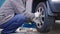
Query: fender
50	13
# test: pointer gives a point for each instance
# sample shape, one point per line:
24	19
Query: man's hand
37	14
36	19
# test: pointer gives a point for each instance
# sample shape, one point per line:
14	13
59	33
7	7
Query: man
9	22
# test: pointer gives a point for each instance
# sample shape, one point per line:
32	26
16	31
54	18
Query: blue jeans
13	24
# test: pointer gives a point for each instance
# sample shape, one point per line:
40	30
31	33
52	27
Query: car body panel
55	6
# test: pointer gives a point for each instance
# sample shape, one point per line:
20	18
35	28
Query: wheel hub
41	17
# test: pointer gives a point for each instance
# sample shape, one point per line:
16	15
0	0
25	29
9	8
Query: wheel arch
34	4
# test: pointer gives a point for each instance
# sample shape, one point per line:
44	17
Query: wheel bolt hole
41	9
38	24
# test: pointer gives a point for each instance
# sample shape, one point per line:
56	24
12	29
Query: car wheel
46	21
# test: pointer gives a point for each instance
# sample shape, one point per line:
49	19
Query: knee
20	16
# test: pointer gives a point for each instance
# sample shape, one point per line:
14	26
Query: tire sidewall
46	26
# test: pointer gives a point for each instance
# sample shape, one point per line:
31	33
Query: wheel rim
41	17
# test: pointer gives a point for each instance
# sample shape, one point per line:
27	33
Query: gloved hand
36	19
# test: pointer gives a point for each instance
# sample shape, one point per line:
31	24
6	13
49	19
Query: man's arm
21	9
28	12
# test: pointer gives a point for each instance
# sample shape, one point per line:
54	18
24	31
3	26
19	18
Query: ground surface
56	30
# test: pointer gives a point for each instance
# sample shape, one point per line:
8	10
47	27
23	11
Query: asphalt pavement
55	30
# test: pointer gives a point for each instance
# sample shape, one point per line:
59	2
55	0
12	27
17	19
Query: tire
46	21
